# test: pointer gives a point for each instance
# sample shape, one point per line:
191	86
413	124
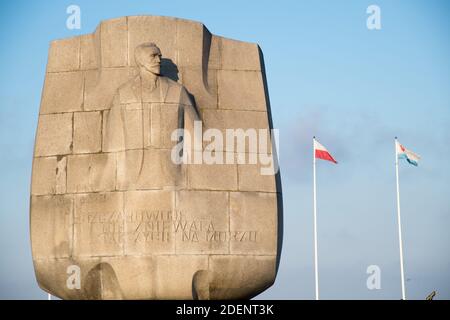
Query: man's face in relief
149	57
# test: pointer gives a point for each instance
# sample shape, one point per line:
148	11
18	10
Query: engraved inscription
143	226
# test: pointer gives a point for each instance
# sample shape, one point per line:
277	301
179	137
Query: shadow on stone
169	69
278	174
201	285
101	283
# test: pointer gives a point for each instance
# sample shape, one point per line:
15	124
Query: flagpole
399	224
49	296
316	272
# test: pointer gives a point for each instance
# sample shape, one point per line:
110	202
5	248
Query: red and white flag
320	152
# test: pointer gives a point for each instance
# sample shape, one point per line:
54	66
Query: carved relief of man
138	126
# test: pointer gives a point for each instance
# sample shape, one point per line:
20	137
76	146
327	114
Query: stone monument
131	197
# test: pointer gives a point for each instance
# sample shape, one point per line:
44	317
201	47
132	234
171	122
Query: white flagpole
49	296
399	225
316	272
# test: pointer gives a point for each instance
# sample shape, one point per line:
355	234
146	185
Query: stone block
61	175
63	92
241	90
89	59
240	276
253	176
135	276
148	169
212	176
204	223
64	55
203	86
114	39
122	129
150	219
91	173
44	176
190	43
240	130
54	135
233	119
174	275
215	53
87	135
99	224
238	55
101	86
49	176
51	226
253	223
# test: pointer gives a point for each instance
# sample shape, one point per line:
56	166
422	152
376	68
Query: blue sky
328	76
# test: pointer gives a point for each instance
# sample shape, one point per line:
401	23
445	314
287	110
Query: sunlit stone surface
105	195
